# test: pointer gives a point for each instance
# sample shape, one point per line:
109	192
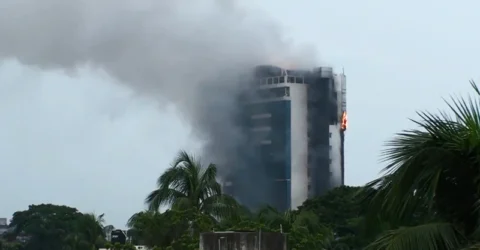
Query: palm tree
146	227
89	231
152	228
273	218
432	179
187	184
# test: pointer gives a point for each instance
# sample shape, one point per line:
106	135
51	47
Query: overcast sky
85	141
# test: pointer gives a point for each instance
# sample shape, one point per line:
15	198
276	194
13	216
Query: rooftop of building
262	71
269	74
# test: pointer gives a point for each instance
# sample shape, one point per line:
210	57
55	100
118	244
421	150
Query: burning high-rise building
295	122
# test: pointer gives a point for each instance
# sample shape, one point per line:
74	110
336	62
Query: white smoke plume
190	53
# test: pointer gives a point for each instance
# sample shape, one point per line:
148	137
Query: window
309	187
261	116
330	161
274	92
330	135
308	172
257	123
261	129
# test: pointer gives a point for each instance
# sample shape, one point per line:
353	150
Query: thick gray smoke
192	53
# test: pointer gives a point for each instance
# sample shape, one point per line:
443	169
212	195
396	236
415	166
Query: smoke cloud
193	54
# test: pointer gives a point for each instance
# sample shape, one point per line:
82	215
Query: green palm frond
472	247
267	211
433	168
220	206
208	185
178	181
140	218
162	196
434	236
187	184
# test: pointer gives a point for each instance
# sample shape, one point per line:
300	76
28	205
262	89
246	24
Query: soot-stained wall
266	177
322	112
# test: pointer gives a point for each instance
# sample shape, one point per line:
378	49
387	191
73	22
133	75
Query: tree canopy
51	227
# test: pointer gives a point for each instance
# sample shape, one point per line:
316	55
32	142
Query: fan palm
187	184
432	177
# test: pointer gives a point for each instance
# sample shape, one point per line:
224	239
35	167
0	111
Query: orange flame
344	121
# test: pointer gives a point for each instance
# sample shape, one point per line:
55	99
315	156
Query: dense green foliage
431	188
60	227
305	228
51	227
428	199
198	205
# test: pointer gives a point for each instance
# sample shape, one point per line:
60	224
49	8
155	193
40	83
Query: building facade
295	121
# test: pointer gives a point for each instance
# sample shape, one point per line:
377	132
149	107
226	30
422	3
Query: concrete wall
335	131
336	153
242	241
322	112
299	144
340	83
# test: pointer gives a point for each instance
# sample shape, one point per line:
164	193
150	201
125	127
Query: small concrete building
236	240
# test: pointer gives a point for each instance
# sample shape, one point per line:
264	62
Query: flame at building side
344	121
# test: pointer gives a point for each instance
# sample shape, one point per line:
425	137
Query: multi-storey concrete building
295	121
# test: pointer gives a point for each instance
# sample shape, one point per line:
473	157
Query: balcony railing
281	79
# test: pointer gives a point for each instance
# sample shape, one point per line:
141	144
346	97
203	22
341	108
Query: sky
83	140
